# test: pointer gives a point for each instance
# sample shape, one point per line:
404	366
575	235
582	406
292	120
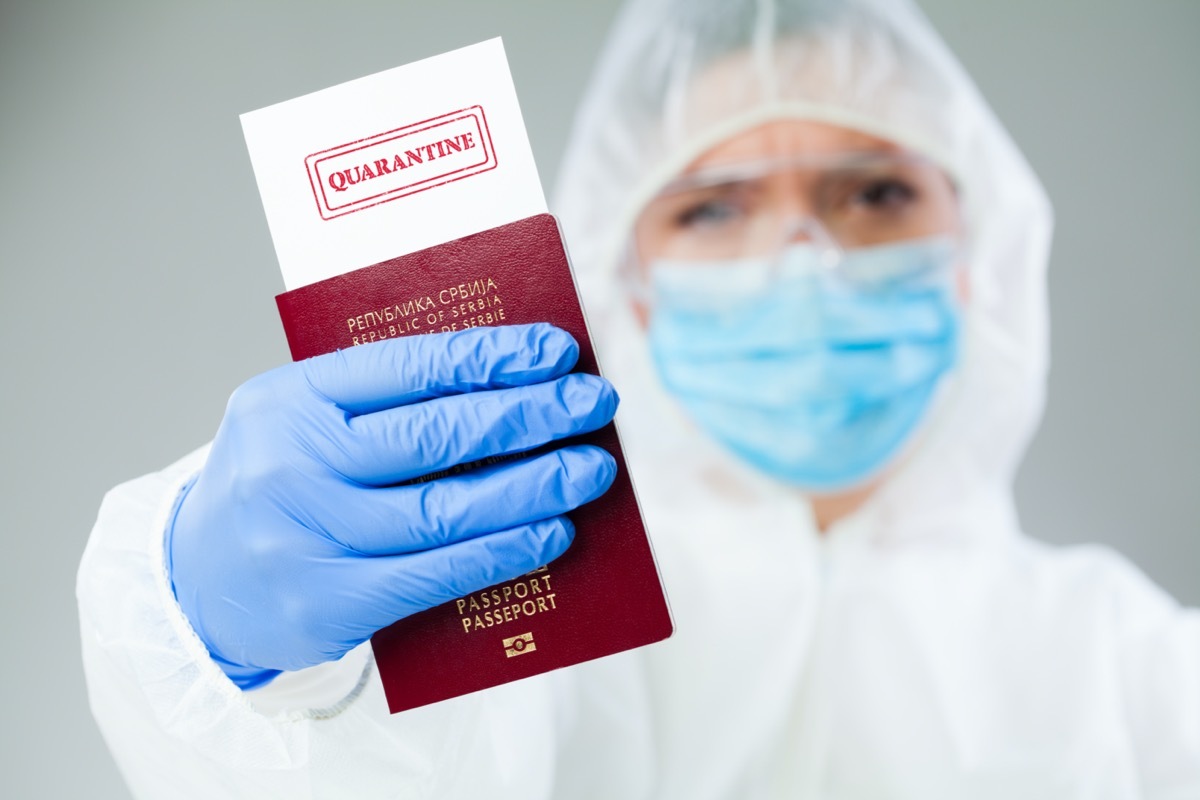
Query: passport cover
603	595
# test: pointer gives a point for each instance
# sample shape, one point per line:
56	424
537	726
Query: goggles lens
753	211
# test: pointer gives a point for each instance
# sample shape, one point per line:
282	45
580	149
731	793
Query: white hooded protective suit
921	648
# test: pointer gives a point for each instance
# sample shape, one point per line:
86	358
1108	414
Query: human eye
884	194
875	188
707	213
711	209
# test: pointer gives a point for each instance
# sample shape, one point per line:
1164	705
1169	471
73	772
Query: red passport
602	596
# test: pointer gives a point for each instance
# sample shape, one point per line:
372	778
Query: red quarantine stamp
400	162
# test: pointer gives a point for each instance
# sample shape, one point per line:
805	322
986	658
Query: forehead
788	139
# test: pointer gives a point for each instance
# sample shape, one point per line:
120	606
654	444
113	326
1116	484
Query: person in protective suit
814	267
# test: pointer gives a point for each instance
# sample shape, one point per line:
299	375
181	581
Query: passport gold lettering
508	603
470	304
408	309
475	288
341	180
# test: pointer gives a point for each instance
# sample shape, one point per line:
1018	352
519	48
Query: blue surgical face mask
816	376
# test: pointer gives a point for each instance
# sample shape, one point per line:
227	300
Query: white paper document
394	162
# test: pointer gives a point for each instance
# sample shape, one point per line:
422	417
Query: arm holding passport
296	543
288	543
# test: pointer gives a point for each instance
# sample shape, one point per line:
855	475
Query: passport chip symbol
519	645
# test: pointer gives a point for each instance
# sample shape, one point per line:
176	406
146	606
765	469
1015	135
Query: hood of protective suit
676	78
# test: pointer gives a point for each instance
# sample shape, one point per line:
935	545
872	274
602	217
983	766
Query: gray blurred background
137	274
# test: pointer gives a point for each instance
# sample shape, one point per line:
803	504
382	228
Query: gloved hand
294	544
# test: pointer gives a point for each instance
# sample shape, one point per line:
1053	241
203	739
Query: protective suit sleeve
1159	658
167	712
177	726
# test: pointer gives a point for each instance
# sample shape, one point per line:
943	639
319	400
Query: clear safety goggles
751	213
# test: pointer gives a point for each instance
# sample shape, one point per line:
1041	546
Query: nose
802	228
795	209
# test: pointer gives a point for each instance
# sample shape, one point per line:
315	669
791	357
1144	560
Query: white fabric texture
920	648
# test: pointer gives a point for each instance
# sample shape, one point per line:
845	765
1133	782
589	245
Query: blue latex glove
294	544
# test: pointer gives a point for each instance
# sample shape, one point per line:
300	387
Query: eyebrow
734	171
